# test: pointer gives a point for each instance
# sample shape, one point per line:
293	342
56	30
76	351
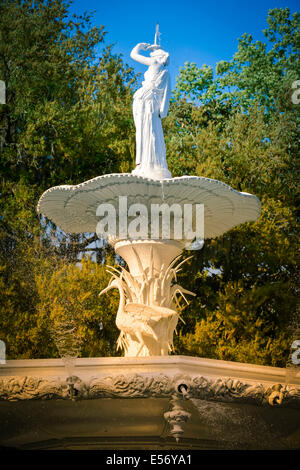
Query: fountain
147	399
184	211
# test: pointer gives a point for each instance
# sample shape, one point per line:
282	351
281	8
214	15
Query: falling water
68	343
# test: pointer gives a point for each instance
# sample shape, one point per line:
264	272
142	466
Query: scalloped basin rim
167	181
73	207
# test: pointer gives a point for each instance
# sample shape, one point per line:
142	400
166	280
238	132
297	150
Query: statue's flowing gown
150	104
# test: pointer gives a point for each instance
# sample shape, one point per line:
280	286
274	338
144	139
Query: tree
69	300
247	137
244	280
67	112
258	72
67	118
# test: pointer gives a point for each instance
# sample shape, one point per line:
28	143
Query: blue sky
198	31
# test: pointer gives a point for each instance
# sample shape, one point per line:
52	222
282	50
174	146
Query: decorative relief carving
32	388
144	386
276	394
132	386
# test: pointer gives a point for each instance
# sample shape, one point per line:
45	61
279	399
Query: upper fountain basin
73	207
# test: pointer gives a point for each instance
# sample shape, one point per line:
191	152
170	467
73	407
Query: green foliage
43	294
246	280
79	320
67	118
67	96
67	115
260	72
21	328
195	83
241	328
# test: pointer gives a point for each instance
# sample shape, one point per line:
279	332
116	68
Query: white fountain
126	402
148	310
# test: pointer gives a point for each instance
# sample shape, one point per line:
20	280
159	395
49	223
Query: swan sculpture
149	309
144	328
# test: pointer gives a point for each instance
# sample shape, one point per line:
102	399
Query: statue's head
161	56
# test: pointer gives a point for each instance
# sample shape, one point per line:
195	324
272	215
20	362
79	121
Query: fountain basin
121	403
73	207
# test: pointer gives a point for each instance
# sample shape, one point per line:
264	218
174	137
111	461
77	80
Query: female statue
150	104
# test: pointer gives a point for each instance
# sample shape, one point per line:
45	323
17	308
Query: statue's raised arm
150	104
142	46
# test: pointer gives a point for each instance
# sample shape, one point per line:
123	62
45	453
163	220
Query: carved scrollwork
276	394
32	388
148	385
133	386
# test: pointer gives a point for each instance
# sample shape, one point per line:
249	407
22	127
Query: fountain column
149	305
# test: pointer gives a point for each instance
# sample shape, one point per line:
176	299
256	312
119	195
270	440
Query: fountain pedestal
141	254
147	315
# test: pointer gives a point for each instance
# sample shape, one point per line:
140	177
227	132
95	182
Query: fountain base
120	403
